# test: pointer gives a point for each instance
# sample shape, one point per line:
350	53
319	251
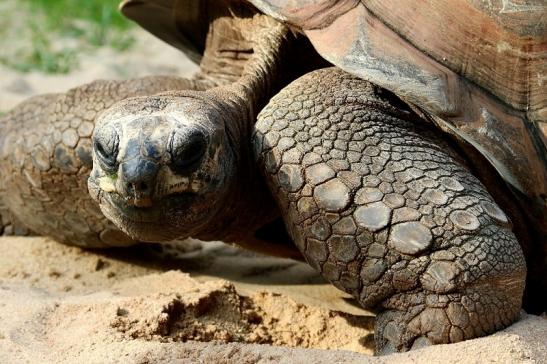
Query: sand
208	303
61	304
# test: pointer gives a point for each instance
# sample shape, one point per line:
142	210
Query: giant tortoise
412	175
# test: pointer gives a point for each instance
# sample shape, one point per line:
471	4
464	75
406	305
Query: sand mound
174	307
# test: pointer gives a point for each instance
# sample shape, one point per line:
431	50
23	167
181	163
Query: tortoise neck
262	76
249	204
243	57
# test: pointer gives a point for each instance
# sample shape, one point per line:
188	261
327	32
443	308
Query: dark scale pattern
45	160
386	211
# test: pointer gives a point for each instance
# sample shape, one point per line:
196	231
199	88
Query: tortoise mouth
154	213
175	216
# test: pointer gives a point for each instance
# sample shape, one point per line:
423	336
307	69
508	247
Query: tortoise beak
137	181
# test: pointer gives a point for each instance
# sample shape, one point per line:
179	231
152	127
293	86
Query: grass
51	33
104	20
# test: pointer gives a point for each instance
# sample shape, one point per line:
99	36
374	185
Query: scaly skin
380	205
45	160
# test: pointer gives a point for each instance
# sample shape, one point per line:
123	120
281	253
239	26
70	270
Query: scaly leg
382	206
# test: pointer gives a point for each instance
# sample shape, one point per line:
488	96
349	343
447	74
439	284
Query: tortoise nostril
142	186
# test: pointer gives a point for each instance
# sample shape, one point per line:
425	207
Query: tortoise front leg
387	212
45	160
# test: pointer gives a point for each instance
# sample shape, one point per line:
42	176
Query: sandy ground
211	303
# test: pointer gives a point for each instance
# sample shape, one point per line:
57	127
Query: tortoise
411	175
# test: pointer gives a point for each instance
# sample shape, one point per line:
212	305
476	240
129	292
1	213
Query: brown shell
181	23
477	68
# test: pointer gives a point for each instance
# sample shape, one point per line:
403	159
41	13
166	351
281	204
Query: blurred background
53	45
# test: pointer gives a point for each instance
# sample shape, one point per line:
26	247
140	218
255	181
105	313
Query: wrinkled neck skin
248	204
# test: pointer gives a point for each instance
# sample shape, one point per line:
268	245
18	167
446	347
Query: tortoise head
163	166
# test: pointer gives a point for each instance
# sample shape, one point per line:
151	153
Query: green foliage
103	18
53	32
40	56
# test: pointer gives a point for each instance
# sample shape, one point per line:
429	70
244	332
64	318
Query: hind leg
45	160
386	211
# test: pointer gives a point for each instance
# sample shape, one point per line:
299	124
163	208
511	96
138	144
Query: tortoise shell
477	69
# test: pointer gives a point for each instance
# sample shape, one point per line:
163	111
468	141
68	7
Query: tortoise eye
187	149
106	146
